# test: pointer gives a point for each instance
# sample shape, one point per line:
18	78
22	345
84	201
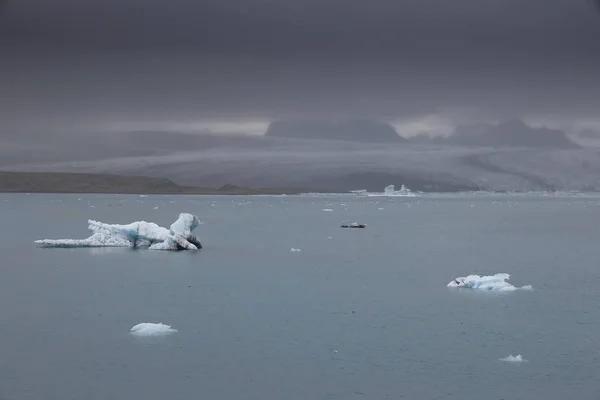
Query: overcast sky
418	61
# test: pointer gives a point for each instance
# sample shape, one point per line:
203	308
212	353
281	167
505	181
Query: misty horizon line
261	128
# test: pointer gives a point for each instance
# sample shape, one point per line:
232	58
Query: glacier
495	283
139	234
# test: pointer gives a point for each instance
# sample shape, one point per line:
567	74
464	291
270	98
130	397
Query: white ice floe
495	283
152	329
327	209
137	234
514	359
293	250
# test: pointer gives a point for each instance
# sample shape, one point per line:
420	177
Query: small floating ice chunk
293	250
495	283
151	329
514	359
327	209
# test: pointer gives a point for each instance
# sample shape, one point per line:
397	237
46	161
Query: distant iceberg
151	329
388	191
135	235
496	283
514	359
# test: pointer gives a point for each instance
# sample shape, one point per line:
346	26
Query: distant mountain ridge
357	130
512	133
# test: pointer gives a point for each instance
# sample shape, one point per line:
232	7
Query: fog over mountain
331	165
368	131
512	133
589	133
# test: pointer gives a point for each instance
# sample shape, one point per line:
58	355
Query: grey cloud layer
376	27
381	57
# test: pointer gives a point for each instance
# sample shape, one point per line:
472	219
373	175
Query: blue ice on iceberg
495	283
136	234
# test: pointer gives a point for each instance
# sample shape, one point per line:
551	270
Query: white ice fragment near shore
495	283
151	329
514	359
135	235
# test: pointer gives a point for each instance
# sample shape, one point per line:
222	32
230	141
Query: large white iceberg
391	191
137	234
495	283
388	191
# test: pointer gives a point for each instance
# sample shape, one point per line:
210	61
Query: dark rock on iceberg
354	225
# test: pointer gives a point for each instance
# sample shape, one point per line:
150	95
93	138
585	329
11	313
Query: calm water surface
357	314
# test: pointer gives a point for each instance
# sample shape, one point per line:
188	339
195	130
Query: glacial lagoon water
354	314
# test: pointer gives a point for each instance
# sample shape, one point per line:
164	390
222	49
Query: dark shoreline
83	183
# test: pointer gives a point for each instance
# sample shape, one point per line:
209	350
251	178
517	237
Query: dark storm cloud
389	58
384	28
